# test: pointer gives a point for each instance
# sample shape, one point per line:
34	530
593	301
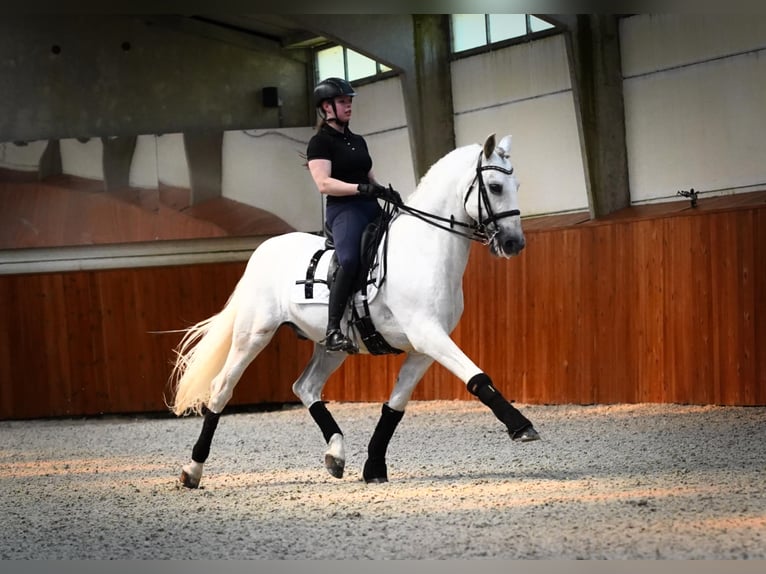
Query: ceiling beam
211	29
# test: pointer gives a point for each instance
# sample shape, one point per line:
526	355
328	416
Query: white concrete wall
525	90
266	169
695	103
22	158
82	159
379	116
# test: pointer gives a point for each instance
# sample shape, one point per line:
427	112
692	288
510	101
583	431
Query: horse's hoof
376	480
335	456
188	480
335	466
375	472
527	434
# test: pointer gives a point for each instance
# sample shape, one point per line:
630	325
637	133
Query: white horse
471	193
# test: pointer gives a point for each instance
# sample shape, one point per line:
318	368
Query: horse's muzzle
508	245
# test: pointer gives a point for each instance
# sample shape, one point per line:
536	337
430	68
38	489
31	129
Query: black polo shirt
351	161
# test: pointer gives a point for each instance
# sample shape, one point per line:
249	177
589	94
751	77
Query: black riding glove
378	191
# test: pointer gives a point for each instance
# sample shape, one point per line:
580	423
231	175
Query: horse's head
492	200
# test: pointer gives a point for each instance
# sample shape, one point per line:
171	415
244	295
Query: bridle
492	217
477	230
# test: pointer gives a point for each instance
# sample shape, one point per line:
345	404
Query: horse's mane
457	160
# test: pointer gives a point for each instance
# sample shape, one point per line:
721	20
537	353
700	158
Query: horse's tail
200	355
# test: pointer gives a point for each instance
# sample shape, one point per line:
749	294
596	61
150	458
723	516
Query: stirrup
337	341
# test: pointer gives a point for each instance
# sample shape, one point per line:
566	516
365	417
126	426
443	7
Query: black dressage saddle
373	235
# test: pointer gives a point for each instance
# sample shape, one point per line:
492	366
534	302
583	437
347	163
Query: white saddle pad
317	292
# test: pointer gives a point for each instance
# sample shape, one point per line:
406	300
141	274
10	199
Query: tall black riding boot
340	290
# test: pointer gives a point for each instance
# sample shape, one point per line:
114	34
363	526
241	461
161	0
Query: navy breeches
348	221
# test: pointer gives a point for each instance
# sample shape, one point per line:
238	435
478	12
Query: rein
477	231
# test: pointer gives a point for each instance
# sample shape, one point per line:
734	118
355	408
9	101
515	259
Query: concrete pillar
593	45
204	154
117	158
50	161
428	92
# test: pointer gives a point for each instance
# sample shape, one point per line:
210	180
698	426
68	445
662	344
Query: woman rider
341	167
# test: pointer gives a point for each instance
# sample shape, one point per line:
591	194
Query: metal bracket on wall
691	194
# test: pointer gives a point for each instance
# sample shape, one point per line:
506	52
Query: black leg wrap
481	386
375	466
201	449
324	419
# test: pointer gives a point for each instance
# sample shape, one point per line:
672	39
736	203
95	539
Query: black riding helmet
330	89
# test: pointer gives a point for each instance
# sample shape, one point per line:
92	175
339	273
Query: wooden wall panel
648	343
662	309
98	342
755	394
684	297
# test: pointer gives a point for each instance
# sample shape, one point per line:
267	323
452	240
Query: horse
471	193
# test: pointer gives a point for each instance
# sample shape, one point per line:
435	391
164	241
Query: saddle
372	237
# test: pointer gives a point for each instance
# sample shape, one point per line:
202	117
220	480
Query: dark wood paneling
648	309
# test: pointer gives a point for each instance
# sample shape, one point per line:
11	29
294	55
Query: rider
341	167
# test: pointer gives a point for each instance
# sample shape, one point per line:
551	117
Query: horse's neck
442	189
441	192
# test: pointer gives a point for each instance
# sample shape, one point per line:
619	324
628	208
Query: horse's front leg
308	388
412	370
519	427
438	344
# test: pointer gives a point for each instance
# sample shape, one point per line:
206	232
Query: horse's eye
496	188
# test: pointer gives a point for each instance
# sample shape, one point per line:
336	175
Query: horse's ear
505	145
489	145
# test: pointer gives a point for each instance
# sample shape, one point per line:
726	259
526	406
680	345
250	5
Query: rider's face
343	108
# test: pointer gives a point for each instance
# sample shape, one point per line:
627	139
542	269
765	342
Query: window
330	63
472	31
342	62
468	31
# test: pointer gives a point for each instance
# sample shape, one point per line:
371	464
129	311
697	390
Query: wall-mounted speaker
271	97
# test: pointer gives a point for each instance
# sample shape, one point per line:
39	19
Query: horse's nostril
514	244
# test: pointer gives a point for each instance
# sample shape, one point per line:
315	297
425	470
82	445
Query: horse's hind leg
245	347
412	370
308	388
